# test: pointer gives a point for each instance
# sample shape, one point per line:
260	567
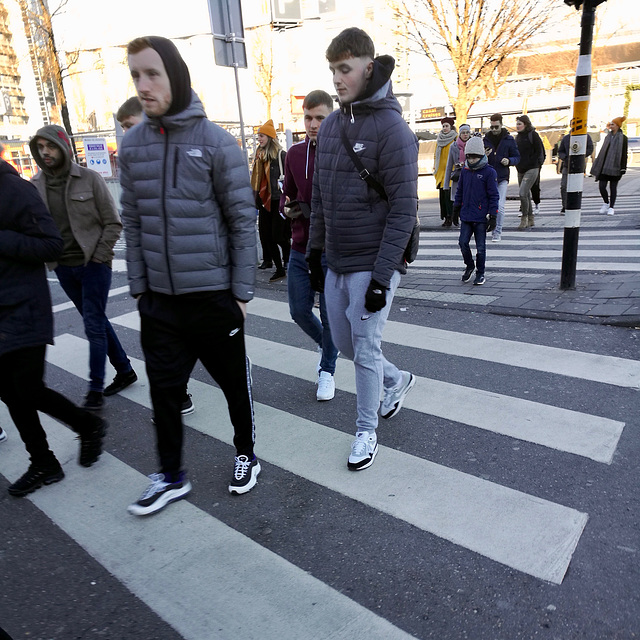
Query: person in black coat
532	156
28	238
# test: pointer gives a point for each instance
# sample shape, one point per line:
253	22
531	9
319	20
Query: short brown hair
496	117
317	98
131	107
137	45
351	42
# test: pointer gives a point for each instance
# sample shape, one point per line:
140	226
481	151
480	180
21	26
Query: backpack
543	155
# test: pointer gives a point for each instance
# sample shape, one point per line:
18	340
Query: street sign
96	154
228	33
432	112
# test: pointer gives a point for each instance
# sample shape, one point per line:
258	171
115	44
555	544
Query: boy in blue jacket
476	198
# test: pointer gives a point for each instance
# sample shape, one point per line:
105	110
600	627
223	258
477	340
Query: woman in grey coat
611	164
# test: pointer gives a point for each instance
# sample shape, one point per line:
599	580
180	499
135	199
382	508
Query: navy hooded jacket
358	229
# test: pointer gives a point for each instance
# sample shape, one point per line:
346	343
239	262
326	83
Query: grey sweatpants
526	180
358	335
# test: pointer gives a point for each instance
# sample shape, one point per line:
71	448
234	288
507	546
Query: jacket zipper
164	207
176	160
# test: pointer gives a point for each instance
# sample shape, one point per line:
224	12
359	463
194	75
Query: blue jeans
502	195
479	231
88	288
301	300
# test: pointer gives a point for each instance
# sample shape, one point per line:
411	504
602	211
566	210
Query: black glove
457	208
316	272
375	298
491	223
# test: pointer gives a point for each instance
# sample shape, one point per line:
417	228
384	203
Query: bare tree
263	72
470	43
37	17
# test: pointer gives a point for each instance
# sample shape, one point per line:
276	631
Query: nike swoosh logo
234	331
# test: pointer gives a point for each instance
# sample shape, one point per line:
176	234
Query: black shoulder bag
411	251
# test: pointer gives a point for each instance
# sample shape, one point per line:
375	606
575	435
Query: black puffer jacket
357	228
28	239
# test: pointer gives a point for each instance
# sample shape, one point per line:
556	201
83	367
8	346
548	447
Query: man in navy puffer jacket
189	221
476	200
364	234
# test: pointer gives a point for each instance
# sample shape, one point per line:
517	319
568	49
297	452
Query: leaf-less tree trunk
470	43
42	31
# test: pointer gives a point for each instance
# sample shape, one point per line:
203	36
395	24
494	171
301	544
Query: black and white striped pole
578	144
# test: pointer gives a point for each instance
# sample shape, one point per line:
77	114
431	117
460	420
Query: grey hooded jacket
187	207
358	230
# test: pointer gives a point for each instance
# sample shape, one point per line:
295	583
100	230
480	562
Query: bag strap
362	171
280	164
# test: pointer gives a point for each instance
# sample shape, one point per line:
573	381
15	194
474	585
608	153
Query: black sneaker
3	435
245	474
91	442
468	272
159	494
278	275
266	264
479	279
93	401
120	382
34	478
187	407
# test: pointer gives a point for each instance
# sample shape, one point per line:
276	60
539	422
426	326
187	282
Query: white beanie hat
474	146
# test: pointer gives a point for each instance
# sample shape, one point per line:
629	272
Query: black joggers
176	331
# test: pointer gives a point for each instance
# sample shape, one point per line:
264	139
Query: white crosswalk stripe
602	245
517	529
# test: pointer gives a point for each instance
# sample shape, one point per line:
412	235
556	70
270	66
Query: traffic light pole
578	147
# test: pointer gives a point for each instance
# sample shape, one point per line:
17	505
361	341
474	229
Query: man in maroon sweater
298	181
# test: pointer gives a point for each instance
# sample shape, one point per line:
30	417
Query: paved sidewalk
610	297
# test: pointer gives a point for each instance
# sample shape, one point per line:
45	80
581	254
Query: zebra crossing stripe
576	364
524	532
573	432
536	253
529	262
201	576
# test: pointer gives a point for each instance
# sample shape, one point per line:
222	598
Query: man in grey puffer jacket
189	222
363	233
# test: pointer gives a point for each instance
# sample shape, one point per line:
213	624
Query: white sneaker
604	208
393	398
610	212
364	449
536	209
496	237
326	386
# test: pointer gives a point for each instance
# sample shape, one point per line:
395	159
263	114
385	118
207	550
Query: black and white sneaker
468	272
394	398
187	407
245	474
159	494
364	449
3	435
479	279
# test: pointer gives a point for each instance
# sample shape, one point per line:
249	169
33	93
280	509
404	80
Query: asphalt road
503	503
